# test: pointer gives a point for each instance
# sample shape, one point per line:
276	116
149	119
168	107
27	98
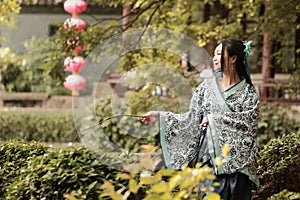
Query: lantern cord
111	117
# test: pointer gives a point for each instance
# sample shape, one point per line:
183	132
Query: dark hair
236	47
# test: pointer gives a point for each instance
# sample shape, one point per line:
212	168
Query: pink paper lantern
75	6
74	64
79	23
75	82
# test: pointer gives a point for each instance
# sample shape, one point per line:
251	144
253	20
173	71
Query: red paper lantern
75	6
79	23
74	64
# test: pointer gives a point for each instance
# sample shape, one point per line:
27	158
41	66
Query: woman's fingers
146	119
203	123
151	116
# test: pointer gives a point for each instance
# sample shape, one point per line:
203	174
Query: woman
232	120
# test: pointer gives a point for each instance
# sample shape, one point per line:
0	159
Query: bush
34	171
59	90
13	157
279	165
285	195
42	126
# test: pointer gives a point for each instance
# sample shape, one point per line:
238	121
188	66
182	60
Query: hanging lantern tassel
75	83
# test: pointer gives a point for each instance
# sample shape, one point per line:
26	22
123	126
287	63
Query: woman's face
217	58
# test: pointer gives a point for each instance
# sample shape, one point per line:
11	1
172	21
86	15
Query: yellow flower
213	196
225	149
218	161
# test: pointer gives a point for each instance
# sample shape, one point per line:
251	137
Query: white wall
35	25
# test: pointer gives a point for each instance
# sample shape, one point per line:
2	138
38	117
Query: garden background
41	152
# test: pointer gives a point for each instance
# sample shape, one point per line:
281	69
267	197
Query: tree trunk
125	15
266	61
125	24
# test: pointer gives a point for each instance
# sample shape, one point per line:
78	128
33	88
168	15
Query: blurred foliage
12	70
25	73
207	22
126	133
51	126
275	120
8	11
168	184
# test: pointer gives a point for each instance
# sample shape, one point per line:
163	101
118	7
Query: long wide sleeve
180	133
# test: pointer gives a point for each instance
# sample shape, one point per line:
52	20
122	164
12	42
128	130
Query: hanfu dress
232	118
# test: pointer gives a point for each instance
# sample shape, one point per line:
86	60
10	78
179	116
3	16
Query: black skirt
236	186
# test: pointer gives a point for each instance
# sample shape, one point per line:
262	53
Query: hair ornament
247	50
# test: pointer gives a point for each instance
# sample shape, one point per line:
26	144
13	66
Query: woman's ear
233	59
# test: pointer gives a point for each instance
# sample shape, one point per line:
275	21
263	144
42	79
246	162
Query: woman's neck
230	79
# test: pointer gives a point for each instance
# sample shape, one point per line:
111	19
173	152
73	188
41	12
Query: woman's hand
150	117
203	123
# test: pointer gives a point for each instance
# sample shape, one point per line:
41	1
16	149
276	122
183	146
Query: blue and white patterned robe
233	119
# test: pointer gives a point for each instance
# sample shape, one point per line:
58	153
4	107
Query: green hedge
279	165
45	126
35	171
13	157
